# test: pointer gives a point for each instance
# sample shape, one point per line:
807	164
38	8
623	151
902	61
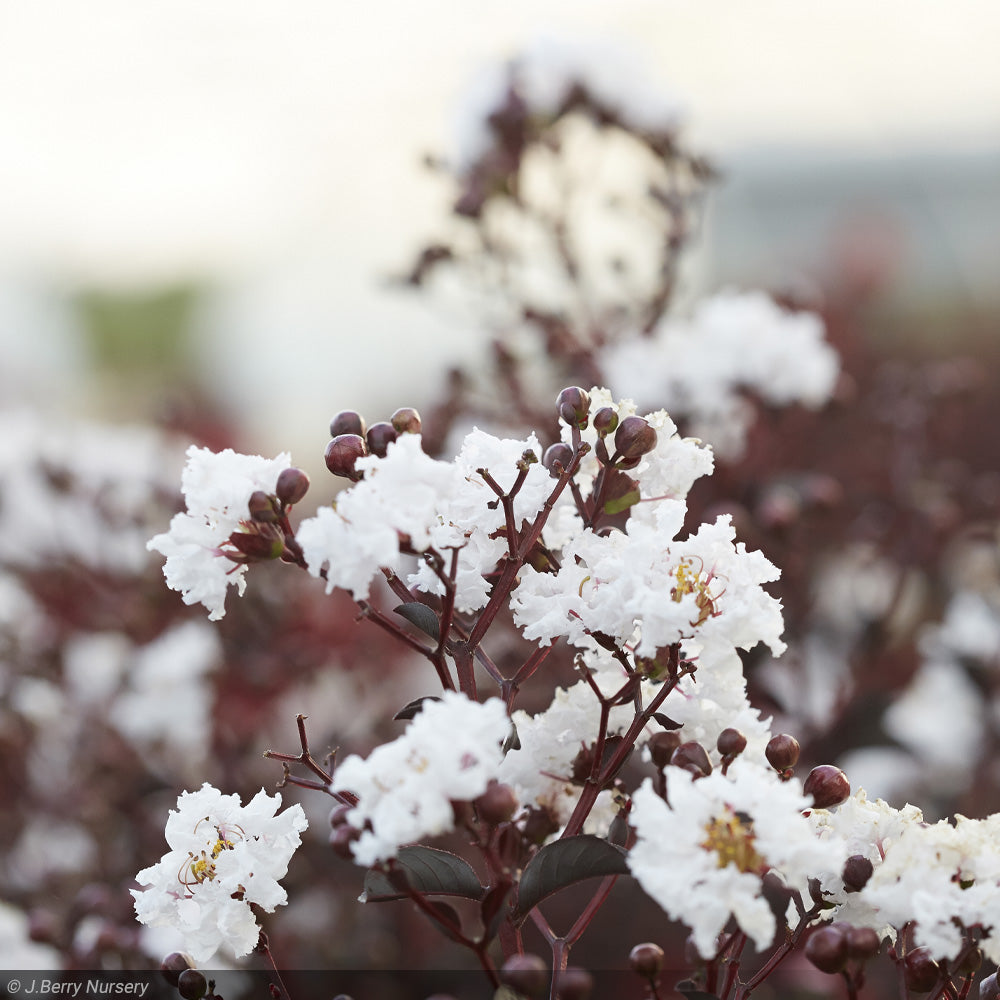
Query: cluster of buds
352	438
267	533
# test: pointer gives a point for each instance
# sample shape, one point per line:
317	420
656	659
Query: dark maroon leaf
420	616
564	863
666	721
408	711
428	870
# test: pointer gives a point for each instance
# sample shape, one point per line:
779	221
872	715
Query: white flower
641	582
217	488
698	367
218	848
702	857
540	770
434	505
450	750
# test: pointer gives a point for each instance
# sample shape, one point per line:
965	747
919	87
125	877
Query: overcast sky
142	140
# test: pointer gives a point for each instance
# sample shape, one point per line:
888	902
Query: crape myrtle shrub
622	616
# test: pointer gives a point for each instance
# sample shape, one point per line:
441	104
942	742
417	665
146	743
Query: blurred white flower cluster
733	344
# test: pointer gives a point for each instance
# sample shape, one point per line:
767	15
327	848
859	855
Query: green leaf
427	870
565	862
421	616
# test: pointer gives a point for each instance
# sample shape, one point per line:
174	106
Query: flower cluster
223	858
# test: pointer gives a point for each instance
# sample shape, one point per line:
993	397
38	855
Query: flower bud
646	959
731	742
342	452
347	422
338	814
618	831
261	508
574	983
174	964
969	962
782	752
497	804
863	943
573	405
692	757
528	974
557	457
857	871
406	420
920	971
341	839
827	785
292	486
989	988
539	825
662	746
380	436
827	948
605	421
634	438
192	984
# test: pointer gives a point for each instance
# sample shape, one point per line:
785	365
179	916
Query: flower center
690	581
200	867
730	836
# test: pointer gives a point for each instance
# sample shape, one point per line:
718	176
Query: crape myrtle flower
405	788
642	581
431	504
941	878
703	856
223	857
217	488
699	367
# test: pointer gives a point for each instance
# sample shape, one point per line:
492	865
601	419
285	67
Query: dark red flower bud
827	948
406	420
920	971
573	405
539	825
192	985
605	421
338	814
618	831
528	974
862	943
497	804
342	452
782	752
857	871
634	438
827	785
292	486
646	959
969	963
731	742
557	457
662	747
257	546
692	757
574	983
174	964
341	839
261	508
380	436
348	422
